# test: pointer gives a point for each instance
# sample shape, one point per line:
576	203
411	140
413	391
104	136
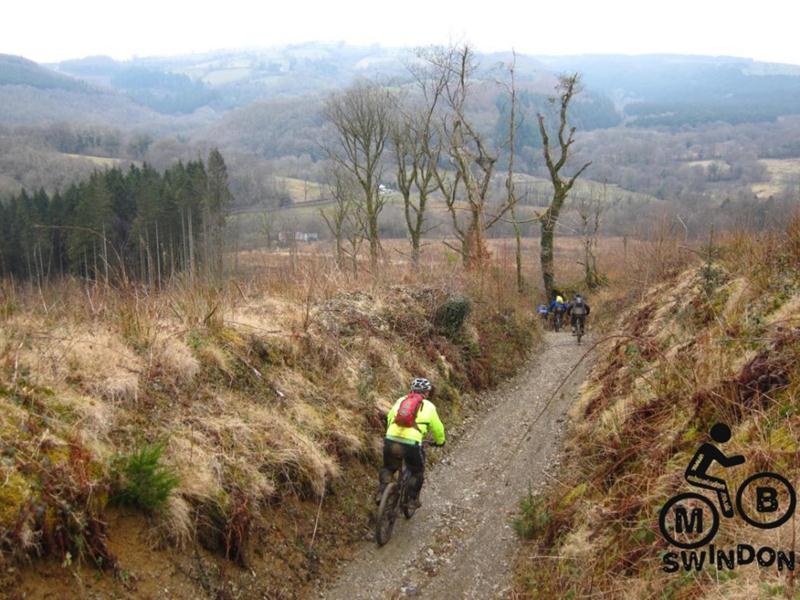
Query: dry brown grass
90	355
267	389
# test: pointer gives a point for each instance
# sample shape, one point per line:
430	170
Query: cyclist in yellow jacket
405	443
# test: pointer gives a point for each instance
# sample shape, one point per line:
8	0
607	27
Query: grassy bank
717	341
232	432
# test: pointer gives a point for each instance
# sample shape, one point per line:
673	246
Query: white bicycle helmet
420	384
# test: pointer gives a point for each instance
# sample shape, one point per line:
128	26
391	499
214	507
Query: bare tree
343	223
361	117
356	225
511	198
471	160
416	153
567	87
266	224
590	211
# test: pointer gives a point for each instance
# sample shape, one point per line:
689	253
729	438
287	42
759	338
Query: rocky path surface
460	543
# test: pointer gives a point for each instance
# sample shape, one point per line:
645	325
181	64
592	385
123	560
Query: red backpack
406	415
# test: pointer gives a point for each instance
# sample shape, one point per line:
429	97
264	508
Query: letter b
766	499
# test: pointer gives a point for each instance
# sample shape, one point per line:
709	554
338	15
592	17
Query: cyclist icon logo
705	456
689	520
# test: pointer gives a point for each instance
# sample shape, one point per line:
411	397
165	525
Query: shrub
533	519
450	316
140	480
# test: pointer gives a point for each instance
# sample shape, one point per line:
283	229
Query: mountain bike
394	499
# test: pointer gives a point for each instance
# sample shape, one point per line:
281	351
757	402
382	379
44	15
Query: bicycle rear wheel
408	512
387	514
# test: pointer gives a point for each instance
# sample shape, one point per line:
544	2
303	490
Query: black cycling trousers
394	453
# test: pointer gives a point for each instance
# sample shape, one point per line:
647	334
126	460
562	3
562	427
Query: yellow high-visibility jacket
427	418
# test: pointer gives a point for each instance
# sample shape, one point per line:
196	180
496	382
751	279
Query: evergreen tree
217	200
93	214
116	224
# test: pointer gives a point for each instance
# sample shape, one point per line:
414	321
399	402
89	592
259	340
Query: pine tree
217	201
93	214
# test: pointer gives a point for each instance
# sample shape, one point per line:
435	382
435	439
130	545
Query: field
302	190
705	163
100	161
784	173
436	257
533	193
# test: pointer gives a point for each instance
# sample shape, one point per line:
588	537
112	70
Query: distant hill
646	90
646	122
32	94
161	89
26	105
231	79
16	70
667	90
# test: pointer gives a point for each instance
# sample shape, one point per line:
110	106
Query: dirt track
460	543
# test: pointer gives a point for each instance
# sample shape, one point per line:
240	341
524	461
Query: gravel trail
460	543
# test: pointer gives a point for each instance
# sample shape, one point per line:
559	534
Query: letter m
683	522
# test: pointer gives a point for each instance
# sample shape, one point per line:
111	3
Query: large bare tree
465	185
567	87
417	151
361	117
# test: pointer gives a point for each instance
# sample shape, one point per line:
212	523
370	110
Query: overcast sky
51	31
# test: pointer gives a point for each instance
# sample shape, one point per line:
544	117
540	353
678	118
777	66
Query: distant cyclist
578	310
557	309
410	419
543	313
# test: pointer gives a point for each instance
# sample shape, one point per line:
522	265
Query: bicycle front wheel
387	514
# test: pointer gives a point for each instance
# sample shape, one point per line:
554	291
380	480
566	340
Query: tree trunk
561	186
339	252
476	250
546	256
374	242
518	249
191	246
